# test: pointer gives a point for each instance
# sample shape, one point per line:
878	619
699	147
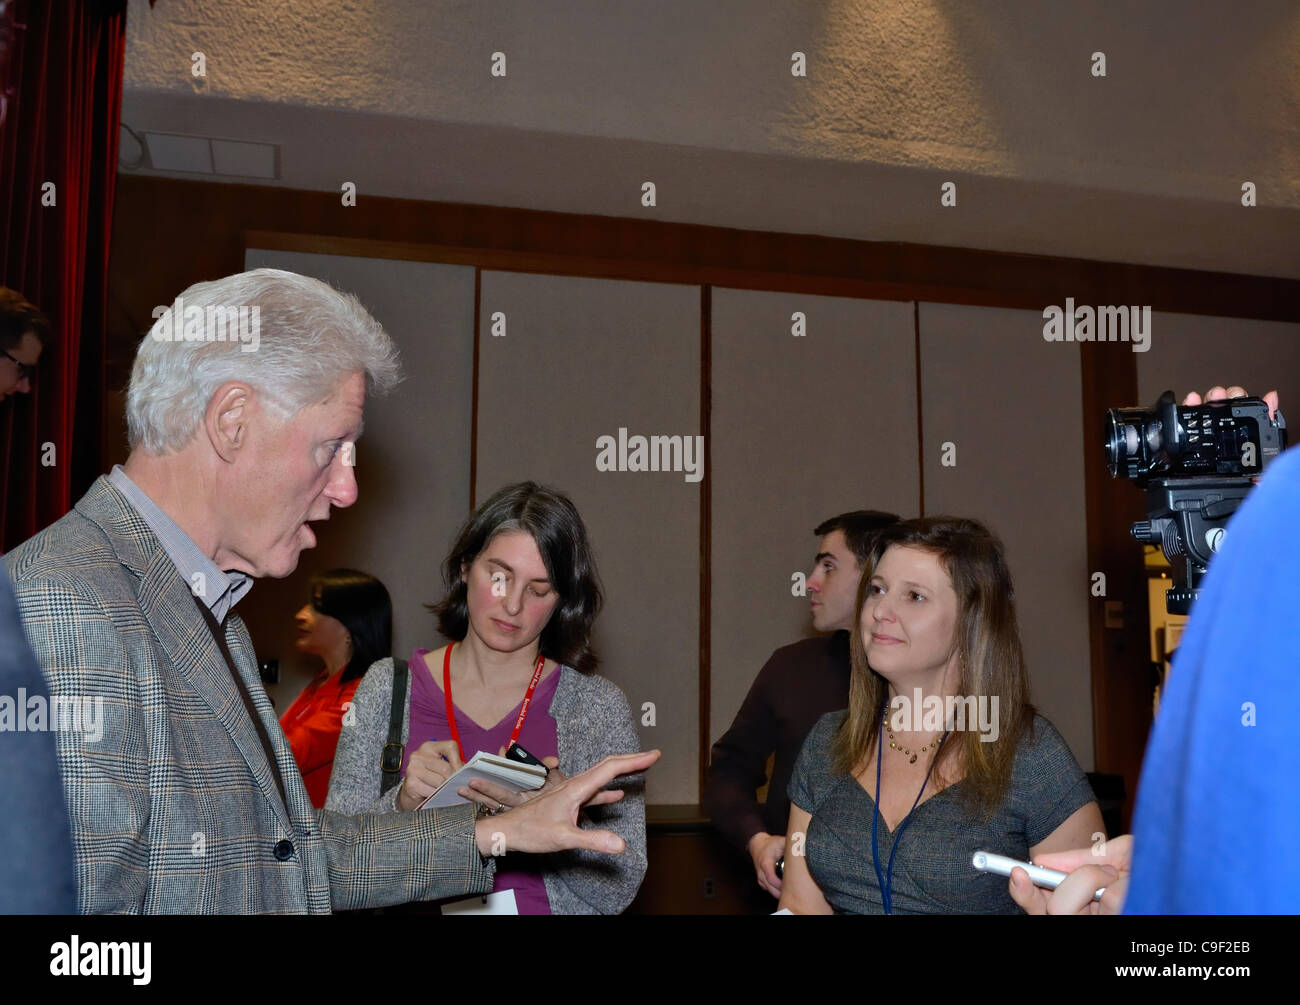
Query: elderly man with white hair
185	797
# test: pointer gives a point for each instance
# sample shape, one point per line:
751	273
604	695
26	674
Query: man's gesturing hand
549	821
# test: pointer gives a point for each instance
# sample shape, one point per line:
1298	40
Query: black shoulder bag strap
391	761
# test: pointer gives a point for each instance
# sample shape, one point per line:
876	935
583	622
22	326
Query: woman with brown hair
522	599
940	753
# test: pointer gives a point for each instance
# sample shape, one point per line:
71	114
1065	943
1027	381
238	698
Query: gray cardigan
592	720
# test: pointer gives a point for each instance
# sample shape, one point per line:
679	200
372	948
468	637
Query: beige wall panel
582	358
1010	402
803	428
412	461
1193	353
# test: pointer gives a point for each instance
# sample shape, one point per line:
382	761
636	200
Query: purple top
429	722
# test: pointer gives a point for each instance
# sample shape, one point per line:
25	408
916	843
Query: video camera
1197	462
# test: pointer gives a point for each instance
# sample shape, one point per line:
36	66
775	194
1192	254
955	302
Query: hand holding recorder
1088	870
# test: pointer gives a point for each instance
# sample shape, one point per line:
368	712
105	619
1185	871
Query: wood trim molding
1120	657
837	267
706	529
473	411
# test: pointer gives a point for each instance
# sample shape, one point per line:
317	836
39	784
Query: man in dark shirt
797	686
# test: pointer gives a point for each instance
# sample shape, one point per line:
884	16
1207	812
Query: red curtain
61	128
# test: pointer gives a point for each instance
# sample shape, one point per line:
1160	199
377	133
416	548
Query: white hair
308	338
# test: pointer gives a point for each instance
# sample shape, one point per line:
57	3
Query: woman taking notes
891	802
523	595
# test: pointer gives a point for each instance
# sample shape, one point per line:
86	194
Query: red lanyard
523	712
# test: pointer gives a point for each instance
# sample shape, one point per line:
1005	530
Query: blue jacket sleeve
1219	795
36	869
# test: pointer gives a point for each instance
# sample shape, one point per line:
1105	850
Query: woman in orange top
349	625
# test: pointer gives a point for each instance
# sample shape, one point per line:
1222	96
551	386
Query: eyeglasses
25	370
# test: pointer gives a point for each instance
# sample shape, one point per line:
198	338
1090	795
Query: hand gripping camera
1197	463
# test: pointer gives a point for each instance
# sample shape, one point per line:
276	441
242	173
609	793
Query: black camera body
1197	463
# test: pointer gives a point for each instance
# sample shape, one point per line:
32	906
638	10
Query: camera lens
1126	430
1121	443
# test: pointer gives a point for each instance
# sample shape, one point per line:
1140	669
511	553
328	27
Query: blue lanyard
887	880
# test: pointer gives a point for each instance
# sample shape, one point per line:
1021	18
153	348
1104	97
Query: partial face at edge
26	351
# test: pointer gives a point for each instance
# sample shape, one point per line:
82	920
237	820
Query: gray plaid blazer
174	808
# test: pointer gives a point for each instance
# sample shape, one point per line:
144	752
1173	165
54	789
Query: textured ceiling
1144	165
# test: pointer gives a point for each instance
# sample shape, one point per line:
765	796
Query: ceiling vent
204	155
